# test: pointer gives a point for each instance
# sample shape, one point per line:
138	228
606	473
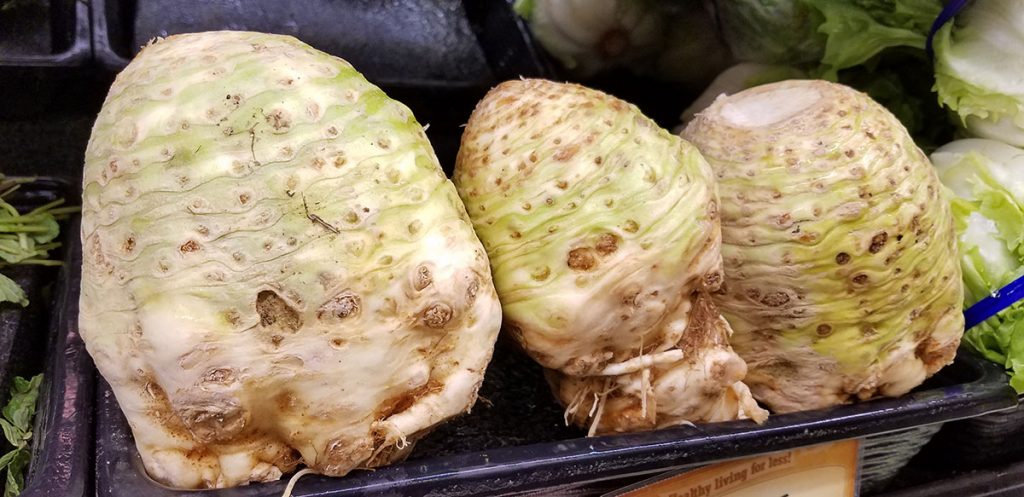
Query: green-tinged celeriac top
276	270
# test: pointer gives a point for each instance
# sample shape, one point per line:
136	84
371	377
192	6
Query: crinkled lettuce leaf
830	34
858	30
978	67
987	178
772	31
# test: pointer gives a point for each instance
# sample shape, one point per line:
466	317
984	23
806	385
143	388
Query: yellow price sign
827	470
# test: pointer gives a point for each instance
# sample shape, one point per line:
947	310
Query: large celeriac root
603	235
839	247
276	270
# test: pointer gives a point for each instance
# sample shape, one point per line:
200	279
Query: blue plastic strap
948	13
993	304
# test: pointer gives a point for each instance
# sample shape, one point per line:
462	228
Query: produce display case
962	417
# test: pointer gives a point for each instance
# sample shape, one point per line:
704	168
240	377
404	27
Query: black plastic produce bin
45	46
36	340
1005	480
61	454
979	442
515	440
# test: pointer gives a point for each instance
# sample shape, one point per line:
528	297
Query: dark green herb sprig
16	421
26	238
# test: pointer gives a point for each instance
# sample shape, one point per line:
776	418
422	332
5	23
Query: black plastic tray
62	440
44	45
514	440
979	442
62	454
439	57
1002	481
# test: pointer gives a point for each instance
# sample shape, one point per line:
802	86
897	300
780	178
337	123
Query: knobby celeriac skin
603	236
276	270
841	268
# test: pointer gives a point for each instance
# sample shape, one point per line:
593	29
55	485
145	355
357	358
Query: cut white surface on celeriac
736	79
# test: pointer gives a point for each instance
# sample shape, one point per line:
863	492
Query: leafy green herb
26	238
16	422
11	292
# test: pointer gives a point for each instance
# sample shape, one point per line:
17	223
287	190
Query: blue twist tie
994	304
948	13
